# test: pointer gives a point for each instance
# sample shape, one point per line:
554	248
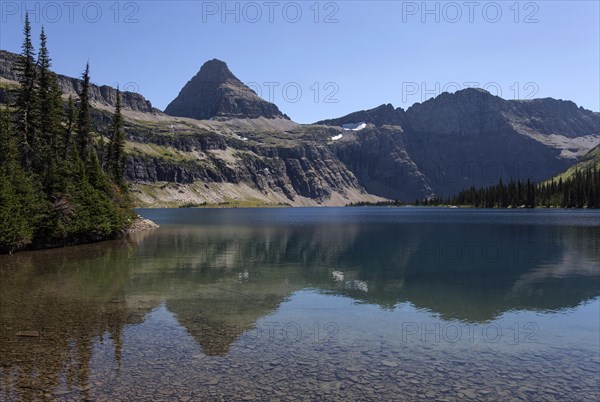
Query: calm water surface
311	304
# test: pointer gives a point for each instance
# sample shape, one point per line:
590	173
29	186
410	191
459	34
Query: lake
311	304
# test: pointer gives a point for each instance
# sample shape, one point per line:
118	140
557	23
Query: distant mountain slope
379	116
472	137
591	160
244	150
216	92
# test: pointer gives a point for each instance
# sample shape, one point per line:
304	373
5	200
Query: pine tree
52	187
84	120
116	145
43	84
49	115
581	190
26	99
18	200
8	148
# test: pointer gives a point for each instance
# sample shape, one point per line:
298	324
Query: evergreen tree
55	172
84	120
18	199
26	99
43	96
49	114
116	145
578	191
53	190
8	148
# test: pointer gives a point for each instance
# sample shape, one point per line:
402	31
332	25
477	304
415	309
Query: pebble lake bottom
311	304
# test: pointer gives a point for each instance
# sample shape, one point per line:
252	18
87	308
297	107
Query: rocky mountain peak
215	92
216	70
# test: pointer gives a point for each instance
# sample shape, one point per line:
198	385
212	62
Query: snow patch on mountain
354	126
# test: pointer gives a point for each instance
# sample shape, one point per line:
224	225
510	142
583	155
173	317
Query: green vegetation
8	85
577	189
161	152
580	190
114	160
53	188
590	160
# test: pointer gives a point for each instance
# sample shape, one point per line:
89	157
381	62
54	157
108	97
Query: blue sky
319	60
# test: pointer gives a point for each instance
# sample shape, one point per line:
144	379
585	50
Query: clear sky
319	60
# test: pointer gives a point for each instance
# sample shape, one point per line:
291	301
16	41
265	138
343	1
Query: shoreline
220	206
139	224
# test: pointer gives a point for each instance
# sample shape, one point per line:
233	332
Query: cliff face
380	160
244	148
295	172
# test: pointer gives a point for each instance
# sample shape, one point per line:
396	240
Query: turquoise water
311	303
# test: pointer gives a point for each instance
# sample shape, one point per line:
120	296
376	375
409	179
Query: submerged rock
28	334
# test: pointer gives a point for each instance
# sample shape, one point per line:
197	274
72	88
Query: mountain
176	161
472	137
103	96
379	116
244	151
216	92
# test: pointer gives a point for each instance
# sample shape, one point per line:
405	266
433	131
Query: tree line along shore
60	183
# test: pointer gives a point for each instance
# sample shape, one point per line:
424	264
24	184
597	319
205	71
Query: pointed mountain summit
216	92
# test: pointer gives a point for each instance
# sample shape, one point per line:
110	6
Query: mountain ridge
100	94
437	147
475	98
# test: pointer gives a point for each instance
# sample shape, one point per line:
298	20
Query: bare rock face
8	63
308	170
380	161
551	116
467	112
107	95
216	92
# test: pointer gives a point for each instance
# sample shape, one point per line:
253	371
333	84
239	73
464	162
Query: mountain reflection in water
216	278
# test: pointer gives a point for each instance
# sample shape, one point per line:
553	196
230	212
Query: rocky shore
140	225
